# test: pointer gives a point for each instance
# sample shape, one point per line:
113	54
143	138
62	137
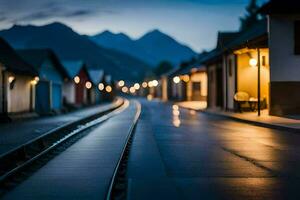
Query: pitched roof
254	36
96	75
280	7
36	57
72	67
226	37
13	62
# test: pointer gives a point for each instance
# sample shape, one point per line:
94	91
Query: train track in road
118	184
20	163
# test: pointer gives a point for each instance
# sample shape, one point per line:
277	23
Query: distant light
11	79
101	86
125	89
132	90
176	79
76	79
121	83
175	107
33	82
149	97
144	84
186	78
37	79
155	83
150	84
108	88
136	86
88	85
253	62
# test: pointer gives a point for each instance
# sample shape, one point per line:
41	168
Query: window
230	67
263	62
297	37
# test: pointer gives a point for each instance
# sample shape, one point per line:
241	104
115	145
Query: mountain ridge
68	44
153	47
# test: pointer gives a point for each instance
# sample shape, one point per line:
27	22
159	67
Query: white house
284	45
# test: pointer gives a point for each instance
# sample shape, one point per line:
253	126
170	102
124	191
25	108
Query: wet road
179	154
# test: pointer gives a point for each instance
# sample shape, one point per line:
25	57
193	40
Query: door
196	96
42	102
56	96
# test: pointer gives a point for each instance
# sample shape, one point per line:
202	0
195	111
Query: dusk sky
193	22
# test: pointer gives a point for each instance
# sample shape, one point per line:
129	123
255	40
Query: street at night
149	100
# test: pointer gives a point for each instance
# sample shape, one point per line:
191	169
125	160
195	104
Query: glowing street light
108	88
253	62
101	86
88	85
186	78
144	84
125	89
132	90
76	79
136	86
121	83
176	79
155	83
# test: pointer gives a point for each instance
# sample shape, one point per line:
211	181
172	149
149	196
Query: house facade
72	68
17	80
48	91
97	79
284	41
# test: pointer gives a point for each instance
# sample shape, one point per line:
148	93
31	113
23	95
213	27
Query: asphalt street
181	154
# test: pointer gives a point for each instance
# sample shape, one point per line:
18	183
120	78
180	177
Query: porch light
131	90
253	62
176	79
76	79
88	85
11	79
136	86
125	89
35	80
101	86
186	78
155	83
121	83
144	84
108	89
150	84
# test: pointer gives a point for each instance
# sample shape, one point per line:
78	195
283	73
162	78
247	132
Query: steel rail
111	193
49	143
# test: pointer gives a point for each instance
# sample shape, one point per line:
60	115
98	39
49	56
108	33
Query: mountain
68	44
152	48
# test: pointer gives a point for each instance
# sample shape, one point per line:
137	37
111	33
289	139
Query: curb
255	123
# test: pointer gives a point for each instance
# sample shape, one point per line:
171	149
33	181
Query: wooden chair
241	98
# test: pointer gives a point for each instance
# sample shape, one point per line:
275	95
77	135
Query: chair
241	98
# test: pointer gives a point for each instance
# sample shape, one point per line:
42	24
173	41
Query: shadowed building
17	80
51	76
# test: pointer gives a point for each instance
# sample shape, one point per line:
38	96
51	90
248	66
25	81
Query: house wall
247	75
285	70
69	92
164	87
81	91
202	78
50	73
18	98
212	86
230	74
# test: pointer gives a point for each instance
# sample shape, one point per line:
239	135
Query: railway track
17	164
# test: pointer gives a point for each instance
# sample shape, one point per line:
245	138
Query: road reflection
176	116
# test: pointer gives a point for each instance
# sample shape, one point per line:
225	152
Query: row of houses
36	80
255	69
